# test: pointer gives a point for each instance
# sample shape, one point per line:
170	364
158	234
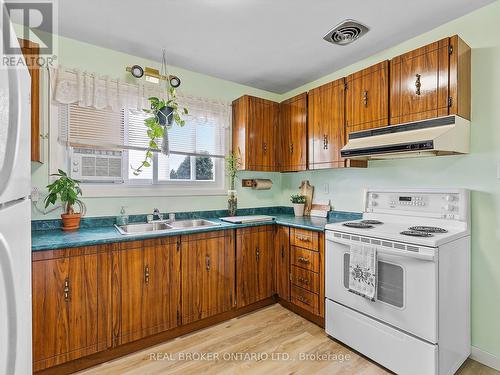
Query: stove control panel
428	203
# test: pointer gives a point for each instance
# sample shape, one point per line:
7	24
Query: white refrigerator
15	219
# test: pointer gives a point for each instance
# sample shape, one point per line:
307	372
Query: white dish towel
363	271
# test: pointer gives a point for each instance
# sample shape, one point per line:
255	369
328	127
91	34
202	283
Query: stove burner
419	228
371	222
358	225
416	233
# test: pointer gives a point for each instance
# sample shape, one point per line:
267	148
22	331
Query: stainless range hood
439	136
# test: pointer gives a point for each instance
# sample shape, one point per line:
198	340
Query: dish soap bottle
123	218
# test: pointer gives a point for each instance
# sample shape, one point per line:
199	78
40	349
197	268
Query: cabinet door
420	84
31	51
367	104
255	265
283	263
150	288
326	125
207	275
292	134
65	312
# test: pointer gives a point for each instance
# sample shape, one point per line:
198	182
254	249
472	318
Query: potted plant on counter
67	191
298	202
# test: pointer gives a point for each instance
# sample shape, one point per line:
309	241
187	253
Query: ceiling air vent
346	32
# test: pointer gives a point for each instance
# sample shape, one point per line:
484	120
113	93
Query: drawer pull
303	280
365	98
303	260
66	290
207	263
303	300
146	275
257	254
303	238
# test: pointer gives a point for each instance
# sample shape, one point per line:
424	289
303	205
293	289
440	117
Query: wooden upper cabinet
207	275
150	287
326	125
367	103
254	264
292	134
431	81
255	123
31	52
65	306
283	263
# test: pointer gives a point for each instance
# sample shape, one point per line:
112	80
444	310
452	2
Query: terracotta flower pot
71	222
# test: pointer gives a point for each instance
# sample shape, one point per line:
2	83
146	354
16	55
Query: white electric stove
419	322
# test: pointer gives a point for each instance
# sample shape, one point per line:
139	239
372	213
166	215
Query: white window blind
204	133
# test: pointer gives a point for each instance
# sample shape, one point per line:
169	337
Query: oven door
406	295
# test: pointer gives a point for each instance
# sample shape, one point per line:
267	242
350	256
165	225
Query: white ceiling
274	45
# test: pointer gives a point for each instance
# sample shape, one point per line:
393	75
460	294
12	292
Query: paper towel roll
262	184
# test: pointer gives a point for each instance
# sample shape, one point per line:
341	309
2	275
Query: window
196	150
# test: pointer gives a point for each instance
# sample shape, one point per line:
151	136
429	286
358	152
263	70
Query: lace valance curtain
88	89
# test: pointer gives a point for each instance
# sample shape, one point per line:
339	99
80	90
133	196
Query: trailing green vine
155	129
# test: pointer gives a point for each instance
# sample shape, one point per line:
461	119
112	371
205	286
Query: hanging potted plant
67	191
164	112
232	166
298	202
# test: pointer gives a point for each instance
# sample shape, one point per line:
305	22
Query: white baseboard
485	358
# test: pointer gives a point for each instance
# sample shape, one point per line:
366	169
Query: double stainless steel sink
165	226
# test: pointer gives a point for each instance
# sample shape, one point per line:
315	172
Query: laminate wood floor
272	340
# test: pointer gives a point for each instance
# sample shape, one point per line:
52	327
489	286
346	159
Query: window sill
101	191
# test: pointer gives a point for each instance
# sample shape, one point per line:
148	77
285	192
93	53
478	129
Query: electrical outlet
35	195
326	188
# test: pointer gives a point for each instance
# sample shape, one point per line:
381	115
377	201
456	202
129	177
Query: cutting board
307	190
247	219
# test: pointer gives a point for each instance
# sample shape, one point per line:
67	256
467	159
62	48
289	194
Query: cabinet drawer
306	259
305	299
304	238
305	279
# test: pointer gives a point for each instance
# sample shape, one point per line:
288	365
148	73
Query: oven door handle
386	250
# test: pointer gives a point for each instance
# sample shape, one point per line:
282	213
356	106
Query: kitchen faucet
157	216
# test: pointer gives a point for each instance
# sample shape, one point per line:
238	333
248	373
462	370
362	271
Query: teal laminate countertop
51	239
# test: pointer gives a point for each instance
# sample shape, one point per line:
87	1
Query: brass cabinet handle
291	148
325	142
418	84
303	300
146	274
264	147
257	254
303	238
365	98
303	281
282	251
207	262
66	290
303	260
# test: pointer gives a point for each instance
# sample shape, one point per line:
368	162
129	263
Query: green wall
76	54
476	171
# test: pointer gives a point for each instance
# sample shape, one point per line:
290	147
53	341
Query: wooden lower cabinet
66	317
282	268
150	282
307	273
254	264
92	304
207	275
